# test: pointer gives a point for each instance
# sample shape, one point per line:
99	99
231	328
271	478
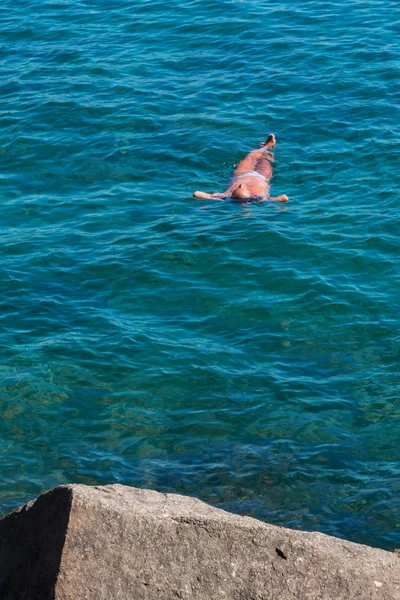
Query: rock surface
115	542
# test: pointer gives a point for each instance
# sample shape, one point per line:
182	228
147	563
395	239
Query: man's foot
270	142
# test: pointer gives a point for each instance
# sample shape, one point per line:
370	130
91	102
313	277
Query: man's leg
264	168
249	163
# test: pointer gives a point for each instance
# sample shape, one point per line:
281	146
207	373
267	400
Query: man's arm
282	198
206	196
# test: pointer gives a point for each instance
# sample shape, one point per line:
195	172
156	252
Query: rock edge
114	542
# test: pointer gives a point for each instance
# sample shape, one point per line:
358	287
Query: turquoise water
248	355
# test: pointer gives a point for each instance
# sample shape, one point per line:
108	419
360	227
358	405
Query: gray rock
119	543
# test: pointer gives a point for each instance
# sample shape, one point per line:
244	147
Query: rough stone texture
114	542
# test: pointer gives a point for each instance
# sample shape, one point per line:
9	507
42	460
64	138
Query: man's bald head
241	193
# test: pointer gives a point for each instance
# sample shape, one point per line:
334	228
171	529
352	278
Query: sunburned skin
250	179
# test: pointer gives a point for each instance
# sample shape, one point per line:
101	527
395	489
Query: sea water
244	354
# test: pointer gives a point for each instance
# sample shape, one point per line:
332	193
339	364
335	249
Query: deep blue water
247	355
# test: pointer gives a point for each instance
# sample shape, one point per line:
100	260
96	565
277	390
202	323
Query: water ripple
244	354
